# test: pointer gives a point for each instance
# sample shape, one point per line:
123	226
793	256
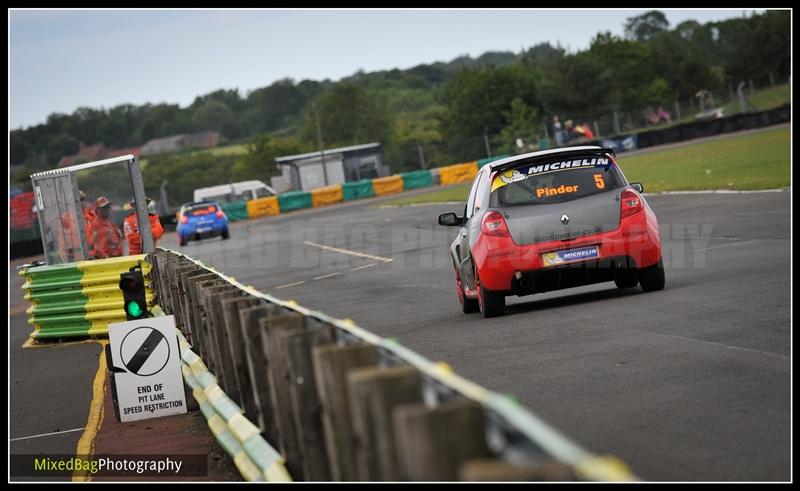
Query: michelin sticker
514	175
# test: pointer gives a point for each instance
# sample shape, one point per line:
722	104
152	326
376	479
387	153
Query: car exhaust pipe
525	283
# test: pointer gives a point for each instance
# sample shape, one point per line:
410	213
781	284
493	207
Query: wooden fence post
277	353
500	470
432	443
331	365
374	394
224	373
258	368
236	350
306	405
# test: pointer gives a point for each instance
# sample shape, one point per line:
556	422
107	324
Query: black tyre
181	241
468	305
626	279
652	278
225	234
492	304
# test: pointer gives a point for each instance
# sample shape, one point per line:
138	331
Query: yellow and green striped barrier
417	179
357	189
263	207
294	200
327	195
78	299
453	174
387	185
255	459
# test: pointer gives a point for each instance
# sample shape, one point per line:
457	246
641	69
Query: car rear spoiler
599	152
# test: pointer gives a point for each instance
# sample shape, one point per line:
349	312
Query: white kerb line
345	251
46	434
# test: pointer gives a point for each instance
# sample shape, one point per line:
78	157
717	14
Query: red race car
550	220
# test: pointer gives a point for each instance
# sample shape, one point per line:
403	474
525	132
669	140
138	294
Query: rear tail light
184	219
631	203
494	225
220	214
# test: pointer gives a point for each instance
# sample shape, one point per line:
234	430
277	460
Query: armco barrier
235	211
326	196
263	207
342	403
294	200
417	179
78	299
387	185
453	174
357	189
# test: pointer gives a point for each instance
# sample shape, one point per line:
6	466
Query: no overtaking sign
146	356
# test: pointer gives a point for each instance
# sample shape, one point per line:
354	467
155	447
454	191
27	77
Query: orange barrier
327	195
263	206
458	173
387	185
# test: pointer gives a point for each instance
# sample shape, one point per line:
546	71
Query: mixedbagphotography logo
28	465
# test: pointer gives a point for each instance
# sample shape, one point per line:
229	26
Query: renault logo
564	219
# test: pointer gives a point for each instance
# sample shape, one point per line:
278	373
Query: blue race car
201	219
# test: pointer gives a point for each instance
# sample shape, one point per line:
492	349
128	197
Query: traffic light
133	293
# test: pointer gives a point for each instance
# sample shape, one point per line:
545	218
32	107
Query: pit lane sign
147	368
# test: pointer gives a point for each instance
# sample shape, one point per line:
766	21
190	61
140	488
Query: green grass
763	99
756	161
229	150
454	193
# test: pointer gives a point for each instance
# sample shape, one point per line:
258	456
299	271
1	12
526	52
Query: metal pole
486	142
140	203
678	111
319	141
742	106
79	212
421	156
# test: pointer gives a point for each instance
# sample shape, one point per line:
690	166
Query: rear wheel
626	279
652	278
468	305
225	234
181	240
491	304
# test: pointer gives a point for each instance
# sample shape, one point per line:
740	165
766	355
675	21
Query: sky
61	60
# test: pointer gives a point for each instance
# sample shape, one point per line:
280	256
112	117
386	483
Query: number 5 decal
599	182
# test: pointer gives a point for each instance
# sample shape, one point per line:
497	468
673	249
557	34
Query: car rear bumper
504	266
199	233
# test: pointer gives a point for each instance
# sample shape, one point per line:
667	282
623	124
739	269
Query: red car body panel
498	259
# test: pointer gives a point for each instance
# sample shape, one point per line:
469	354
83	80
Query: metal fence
705	106
344	404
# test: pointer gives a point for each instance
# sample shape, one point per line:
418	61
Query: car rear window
199	210
555	181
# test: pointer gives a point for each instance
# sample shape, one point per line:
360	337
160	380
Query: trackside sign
147	368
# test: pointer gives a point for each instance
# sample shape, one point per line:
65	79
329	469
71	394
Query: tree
645	26
214	115
523	122
347	115
259	160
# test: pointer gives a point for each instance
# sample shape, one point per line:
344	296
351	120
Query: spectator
663	115
587	131
557	131
569	131
106	236
88	218
69	242
132	228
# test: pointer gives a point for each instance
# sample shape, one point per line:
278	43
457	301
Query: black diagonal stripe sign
145	350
